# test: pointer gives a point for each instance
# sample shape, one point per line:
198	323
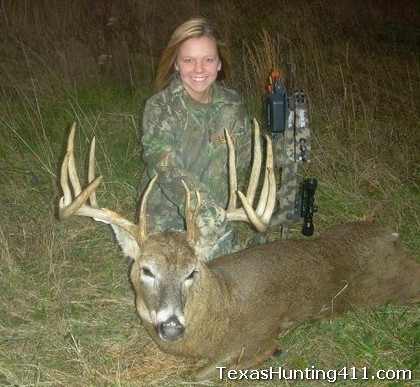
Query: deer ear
129	246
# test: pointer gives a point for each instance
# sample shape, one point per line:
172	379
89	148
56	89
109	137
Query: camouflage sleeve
161	152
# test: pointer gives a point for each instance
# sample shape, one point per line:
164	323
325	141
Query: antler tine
265	207
233	182
271	184
256	164
260	217
191	216
91	171
75	203
67	168
265	192
72	165
68	207
255	171
141	230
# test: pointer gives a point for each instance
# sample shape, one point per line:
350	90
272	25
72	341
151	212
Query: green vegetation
67	316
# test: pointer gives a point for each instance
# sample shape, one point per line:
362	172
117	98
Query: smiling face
198	63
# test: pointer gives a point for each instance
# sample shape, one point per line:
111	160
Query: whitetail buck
232	309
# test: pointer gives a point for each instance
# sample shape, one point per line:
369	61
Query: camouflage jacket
183	139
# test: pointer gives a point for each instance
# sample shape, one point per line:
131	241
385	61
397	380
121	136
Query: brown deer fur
232	309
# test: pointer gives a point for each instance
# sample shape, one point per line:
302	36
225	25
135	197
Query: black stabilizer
308	206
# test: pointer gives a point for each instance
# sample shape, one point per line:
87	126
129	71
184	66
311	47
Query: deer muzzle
171	329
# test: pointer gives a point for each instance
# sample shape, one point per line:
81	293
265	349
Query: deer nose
171	329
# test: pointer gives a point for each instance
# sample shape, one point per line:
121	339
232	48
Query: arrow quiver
288	121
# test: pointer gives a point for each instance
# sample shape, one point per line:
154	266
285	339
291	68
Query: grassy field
67	316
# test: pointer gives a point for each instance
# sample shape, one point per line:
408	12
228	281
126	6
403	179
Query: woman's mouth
199	79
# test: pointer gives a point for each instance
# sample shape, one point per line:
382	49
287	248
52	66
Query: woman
182	134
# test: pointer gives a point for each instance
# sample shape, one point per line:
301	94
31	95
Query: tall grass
66	312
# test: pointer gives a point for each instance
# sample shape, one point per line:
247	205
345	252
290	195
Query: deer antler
259	217
131	236
77	203
191	215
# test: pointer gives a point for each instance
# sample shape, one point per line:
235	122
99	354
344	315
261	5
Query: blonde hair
193	28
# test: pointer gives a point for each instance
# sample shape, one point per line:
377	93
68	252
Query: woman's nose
199	67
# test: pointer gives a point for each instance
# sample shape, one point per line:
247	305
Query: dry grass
66	307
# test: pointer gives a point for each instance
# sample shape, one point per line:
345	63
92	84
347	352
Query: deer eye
192	274
146	272
188	282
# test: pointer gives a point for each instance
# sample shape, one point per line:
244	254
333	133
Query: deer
231	310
